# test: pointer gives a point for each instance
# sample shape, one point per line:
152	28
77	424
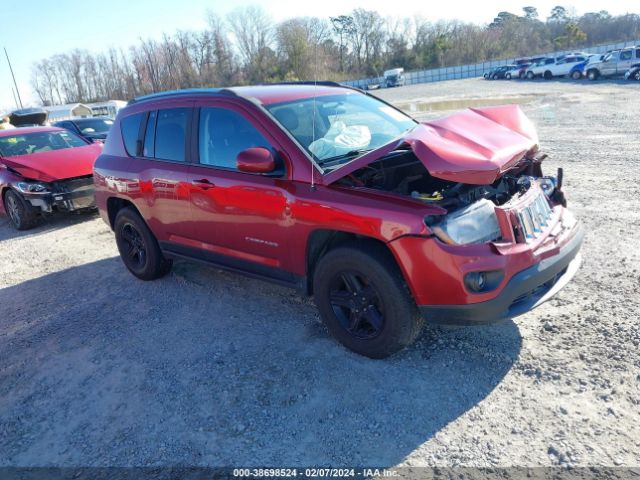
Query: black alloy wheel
139	249
356	304
135	249
364	300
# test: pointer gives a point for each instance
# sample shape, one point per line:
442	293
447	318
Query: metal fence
477	69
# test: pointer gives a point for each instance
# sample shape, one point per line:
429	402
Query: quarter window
223	134
130	127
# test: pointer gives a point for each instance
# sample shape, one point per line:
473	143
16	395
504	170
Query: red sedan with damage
388	222
42	170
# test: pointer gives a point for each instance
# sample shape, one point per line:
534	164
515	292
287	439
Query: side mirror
255	160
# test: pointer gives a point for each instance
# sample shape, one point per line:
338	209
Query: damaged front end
499	238
480	168
69	195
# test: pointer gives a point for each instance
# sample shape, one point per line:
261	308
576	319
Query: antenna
313	111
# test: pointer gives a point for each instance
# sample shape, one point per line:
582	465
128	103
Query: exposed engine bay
403	173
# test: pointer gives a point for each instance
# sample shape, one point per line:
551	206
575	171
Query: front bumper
524	291
69	195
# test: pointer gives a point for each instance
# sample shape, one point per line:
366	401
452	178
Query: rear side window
625	55
130	127
171	127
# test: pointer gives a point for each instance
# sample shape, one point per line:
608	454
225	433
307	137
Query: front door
239	218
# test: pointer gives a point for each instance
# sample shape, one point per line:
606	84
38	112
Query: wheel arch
3	191
321	241
114	205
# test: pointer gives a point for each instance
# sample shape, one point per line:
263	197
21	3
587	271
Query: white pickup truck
614	63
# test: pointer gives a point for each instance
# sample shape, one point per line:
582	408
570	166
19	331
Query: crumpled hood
56	164
474	146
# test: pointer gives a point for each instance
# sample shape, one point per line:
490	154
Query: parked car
520	72
90	128
28	117
633	73
42	170
536	69
616	63
394	77
386	221
566	66
501	72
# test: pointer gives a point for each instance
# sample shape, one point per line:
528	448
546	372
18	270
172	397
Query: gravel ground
209	368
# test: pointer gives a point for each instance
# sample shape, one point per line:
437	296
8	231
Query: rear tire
508	76
636	75
577	75
364	301
22	215
548	75
530	75
139	249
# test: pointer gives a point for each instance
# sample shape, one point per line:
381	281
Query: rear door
162	171
609	62
240	219
625	61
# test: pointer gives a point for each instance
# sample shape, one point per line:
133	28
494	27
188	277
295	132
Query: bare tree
253	31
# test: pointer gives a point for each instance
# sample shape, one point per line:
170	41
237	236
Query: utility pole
13	76
14	97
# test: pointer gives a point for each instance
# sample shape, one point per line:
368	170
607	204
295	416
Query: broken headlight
32	187
475	223
547	184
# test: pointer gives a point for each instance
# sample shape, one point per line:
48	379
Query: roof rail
324	83
174	93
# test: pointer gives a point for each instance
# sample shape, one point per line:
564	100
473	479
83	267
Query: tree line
248	47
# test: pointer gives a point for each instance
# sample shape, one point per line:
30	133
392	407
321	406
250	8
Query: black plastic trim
245	267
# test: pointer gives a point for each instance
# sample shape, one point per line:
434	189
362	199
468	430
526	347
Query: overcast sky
36	29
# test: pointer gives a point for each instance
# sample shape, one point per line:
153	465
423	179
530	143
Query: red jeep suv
385	220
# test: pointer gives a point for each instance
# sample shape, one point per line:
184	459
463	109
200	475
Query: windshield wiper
349	154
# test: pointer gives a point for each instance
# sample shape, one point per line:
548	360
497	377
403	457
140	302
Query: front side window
38	142
336	128
223	134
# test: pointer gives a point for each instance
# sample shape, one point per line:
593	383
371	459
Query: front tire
22	215
548	75
636	75
592	75
530	75
508	76
364	301
139	249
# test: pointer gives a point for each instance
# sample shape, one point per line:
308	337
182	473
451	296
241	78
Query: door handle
203	183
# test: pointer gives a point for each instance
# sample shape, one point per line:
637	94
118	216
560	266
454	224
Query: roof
264	94
23	130
270	94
